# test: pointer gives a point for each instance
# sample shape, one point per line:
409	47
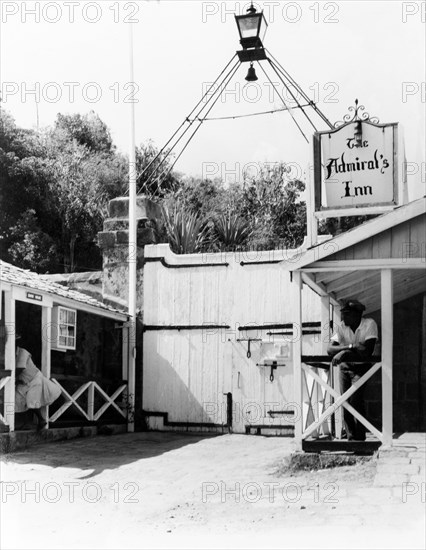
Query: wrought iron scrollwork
356	116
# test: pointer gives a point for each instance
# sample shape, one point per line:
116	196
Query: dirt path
168	490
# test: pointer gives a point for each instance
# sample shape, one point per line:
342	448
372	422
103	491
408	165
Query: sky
73	57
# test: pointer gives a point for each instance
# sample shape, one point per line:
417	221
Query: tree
33	248
55	185
154	176
24	177
88	130
271	203
205	197
80	187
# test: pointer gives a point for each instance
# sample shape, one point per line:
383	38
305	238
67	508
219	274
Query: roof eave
358	234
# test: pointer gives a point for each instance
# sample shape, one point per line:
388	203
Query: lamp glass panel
248	26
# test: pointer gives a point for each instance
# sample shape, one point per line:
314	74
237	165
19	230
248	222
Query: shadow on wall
192	390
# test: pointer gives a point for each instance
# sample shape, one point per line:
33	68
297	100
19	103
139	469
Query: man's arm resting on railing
354	352
334	348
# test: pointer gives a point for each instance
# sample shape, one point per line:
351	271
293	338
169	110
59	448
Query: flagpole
132	250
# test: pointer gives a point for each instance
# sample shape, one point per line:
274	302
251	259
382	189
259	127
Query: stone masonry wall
114	242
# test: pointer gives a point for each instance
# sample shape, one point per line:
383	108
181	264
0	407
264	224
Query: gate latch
273	365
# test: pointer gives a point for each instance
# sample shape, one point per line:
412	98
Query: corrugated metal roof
23	277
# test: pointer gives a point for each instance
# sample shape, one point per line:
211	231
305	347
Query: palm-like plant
232	231
187	234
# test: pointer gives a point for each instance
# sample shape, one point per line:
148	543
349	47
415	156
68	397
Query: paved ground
166	490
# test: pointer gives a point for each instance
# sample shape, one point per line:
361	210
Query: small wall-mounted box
280	351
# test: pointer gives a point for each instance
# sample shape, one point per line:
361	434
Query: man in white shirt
354	340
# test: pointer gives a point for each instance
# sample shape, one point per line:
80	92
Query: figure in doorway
351	346
33	390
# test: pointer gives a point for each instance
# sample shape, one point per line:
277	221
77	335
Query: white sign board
358	166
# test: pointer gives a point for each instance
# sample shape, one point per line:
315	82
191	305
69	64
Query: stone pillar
114	243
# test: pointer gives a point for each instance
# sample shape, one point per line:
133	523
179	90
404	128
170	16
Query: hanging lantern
252	28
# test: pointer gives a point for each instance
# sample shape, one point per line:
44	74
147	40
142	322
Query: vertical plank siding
187	373
404	240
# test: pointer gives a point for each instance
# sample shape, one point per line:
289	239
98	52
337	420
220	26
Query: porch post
387	354
325	323
311	220
325	339
10	359
338	415
297	358
46	345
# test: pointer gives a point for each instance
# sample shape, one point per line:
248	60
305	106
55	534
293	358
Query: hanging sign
356	165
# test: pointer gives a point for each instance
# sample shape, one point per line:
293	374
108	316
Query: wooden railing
5	377
323	401
90	414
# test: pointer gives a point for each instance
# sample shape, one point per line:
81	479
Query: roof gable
335	248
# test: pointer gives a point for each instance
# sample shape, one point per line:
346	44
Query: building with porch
382	264
74	339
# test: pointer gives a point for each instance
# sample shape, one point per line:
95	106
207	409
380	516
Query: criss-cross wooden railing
323	400
90	414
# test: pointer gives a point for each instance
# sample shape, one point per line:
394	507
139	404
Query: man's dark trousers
349	374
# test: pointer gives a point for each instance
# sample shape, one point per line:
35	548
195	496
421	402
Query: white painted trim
91	401
359	265
318	288
311	220
60	301
20	293
325	323
233	258
46	320
387	354
50	299
298	373
4	287
3	382
360	233
10	359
